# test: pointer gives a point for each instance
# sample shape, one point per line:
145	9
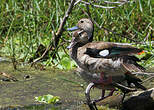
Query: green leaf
140	3
66	63
50	99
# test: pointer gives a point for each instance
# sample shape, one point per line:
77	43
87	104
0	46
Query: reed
26	24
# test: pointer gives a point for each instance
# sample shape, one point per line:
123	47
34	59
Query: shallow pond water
49	81
20	95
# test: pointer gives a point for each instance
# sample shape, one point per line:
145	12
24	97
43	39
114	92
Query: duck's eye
82	21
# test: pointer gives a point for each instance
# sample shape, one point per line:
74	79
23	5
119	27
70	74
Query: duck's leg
102	83
103	93
91	104
123	97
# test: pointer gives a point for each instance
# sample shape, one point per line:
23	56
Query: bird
104	65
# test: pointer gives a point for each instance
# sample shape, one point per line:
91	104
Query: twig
109	2
147	79
143	73
97	6
88	11
60	29
101	27
146	38
77	2
47	49
65	50
57	36
106	7
11	78
38	59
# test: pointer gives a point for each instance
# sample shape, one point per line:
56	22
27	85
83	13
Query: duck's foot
91	104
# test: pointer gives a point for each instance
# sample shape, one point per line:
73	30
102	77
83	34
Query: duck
104	65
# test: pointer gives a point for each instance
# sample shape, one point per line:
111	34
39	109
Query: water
20	95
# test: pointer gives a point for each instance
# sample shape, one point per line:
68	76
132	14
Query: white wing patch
104	53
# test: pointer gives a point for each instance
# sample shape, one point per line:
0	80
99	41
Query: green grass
24	25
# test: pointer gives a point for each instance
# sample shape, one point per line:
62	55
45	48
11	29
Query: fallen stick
143	73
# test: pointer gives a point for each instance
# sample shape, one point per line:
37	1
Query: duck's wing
115	51
110	50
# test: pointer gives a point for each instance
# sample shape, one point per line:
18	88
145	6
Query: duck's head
83	32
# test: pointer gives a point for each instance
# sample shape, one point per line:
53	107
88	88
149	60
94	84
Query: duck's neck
74	50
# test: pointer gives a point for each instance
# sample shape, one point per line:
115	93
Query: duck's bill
73	28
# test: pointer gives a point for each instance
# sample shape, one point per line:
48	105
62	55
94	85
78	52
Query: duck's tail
132	79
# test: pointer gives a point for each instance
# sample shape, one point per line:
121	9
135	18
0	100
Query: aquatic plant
48	99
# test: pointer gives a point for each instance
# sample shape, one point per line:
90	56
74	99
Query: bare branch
151	77
60	29
77	2
107	2
88	10
57	36
143	73
101	27
97	6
